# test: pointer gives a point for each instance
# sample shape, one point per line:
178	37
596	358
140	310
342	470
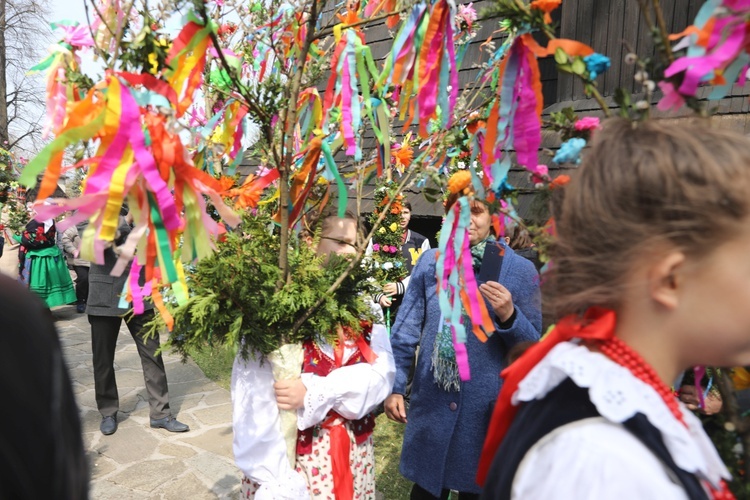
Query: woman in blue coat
448	418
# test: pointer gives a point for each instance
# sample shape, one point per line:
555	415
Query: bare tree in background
23	38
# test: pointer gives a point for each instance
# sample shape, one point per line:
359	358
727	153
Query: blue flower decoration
596	64
570	151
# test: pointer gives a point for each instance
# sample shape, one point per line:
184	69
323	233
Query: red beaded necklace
622	354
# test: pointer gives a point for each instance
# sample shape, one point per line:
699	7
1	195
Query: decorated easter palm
172	118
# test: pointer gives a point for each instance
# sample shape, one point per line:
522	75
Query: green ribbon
331	164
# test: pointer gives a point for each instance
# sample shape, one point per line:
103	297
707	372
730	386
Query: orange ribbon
571	47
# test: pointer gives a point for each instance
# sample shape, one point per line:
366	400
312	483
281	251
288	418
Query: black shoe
170	423
108	425
81	307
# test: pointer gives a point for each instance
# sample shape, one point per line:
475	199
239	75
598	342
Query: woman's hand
395	409
290	394
499	298
689	396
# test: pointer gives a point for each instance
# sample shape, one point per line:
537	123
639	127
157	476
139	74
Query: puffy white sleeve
259	447
593	459
352	391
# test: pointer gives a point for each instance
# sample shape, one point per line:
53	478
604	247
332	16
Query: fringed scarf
444	367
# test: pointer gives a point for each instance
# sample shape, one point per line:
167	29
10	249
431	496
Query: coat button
453	406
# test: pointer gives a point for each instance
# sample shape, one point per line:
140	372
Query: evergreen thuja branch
354	262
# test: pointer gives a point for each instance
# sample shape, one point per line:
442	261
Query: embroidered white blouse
598	458
259	448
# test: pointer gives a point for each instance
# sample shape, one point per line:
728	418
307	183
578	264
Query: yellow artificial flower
381	230
393	227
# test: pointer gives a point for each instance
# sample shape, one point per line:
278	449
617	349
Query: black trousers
82	283
419	493
104	332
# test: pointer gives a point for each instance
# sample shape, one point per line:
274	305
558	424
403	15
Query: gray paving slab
139	462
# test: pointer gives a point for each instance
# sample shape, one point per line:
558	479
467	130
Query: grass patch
216	363
388	438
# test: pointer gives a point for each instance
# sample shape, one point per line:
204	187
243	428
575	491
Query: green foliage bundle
236	300
388	263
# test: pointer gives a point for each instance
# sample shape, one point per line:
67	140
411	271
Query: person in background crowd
650	278
41	265
71	242
105	316
413	246
340	387
41	448
520	241
447	418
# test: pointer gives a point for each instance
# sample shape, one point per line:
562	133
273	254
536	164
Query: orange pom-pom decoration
459	181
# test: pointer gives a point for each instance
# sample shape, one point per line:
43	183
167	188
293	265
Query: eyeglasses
340	242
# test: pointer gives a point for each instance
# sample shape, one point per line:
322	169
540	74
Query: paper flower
587	123
570	151
559	181
403	155
459	181
671	100
381	230
539	173
467	14
388	265
394	249
393	227
376	247
77	35
596	64
248	195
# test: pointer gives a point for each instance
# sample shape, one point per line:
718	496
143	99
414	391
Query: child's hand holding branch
290	394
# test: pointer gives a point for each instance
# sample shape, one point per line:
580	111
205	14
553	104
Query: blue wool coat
445	430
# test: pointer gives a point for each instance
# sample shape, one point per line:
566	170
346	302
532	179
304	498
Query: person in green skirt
41	265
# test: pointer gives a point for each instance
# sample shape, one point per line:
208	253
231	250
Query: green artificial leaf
578	67
560	56
565	68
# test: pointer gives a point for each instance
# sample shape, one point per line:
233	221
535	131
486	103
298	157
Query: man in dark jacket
105	317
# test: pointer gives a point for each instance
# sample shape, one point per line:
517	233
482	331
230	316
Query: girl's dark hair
641	187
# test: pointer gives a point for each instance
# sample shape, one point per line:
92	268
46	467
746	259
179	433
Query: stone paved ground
139	462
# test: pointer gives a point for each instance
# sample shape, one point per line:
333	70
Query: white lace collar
618	395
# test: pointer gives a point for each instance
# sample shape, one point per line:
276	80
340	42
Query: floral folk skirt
316	469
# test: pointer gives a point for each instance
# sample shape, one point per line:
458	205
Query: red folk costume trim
319	363
596	329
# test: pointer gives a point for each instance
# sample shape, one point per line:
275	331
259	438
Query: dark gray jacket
105	290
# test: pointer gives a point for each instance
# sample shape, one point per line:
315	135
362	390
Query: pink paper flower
671	100
538	174
376	247
587	123
467	14
77	35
